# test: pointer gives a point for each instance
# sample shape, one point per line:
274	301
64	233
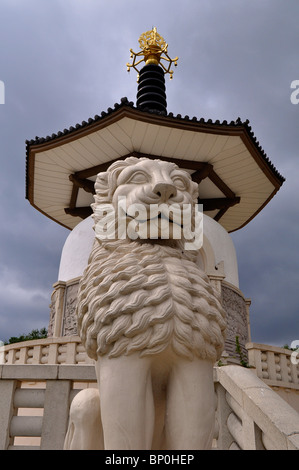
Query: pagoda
236	181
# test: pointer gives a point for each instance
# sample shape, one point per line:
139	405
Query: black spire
151	82
151	88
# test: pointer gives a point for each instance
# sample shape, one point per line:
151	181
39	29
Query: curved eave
237	158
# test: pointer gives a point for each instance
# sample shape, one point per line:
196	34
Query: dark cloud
64	61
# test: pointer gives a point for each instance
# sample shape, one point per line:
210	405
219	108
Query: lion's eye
138	178
180	183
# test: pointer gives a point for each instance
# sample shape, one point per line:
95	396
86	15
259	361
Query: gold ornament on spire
153	51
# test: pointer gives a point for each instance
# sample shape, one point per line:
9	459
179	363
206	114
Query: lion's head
146	296
148	199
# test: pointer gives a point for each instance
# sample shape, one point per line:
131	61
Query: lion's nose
165	191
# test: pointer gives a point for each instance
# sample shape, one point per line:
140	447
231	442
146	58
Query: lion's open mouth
161	216
169	217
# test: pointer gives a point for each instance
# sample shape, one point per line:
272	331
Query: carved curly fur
143	297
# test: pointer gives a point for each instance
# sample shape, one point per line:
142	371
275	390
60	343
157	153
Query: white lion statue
149	317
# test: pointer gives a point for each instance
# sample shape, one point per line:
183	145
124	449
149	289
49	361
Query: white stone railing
62	350
249	414
274	365
46	391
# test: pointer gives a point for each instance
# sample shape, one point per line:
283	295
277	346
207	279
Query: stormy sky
63	61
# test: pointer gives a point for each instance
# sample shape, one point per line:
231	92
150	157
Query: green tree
34	334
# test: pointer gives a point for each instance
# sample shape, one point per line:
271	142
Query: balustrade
249	415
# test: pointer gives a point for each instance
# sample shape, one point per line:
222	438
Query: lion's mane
146	297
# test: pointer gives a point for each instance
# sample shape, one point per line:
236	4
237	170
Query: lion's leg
190	405
85	427
127	406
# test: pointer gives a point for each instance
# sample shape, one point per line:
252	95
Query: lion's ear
194	191
101	182
102	189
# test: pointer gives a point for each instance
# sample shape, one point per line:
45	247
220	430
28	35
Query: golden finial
153	49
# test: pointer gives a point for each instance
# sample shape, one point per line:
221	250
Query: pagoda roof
236	178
